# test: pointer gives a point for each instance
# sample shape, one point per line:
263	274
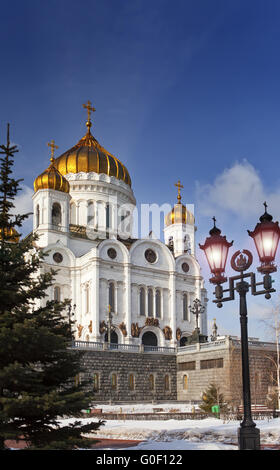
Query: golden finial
89	108
52	145
179	186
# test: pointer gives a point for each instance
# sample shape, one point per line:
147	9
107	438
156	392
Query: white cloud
23	205
23	202
238	190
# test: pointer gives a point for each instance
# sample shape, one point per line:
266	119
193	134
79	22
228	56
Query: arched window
151	382
114	381
166	383
57	294
95	382
185	382
150	303
125	220
56	214
112	296
37	216
90	216
131	382
142	301
185	307
108	216
187	244
158	304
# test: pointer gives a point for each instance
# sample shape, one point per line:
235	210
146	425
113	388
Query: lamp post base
249	438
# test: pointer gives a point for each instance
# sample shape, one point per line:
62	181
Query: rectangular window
113	381
131	382
95	382
158	304
150	303
185	308
212	364
186	365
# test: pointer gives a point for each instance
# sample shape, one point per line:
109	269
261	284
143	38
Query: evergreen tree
37	365
212	397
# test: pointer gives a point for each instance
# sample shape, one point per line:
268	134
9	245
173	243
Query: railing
140	348
93	345
158	349
87	345
199	346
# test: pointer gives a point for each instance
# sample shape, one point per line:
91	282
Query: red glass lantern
266	237
216	250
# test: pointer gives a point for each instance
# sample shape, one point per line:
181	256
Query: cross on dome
52	145
89	109
179	186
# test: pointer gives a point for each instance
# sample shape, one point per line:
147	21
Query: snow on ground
207	434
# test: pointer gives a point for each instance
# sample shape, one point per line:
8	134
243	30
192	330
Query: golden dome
179	214
51	178
88	156
10	234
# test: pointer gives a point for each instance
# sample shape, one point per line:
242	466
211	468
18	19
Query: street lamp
109	324
197	309
266	237
109	327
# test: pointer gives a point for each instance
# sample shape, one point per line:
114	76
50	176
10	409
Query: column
127	301
173	322
95	299
154	302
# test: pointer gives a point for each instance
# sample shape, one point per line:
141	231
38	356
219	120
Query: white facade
98	264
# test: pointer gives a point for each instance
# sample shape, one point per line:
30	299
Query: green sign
215	409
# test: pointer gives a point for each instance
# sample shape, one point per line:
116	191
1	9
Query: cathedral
138	306
123	290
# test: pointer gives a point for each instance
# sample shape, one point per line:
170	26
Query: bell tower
51	203
179	232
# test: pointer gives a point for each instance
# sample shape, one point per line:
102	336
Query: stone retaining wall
141	366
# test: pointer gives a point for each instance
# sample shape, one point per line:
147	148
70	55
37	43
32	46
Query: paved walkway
122	444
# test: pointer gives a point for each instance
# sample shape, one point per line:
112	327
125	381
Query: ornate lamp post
197	309
108	327
266	237
109	324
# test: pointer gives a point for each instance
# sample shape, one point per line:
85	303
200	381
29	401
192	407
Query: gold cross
52	145
89	108
179	186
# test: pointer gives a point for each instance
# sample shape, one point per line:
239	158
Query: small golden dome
10	234
179	215
51	178
88	156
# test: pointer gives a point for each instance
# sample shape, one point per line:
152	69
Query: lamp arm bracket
266	283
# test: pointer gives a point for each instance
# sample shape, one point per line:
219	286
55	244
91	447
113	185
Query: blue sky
183	90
